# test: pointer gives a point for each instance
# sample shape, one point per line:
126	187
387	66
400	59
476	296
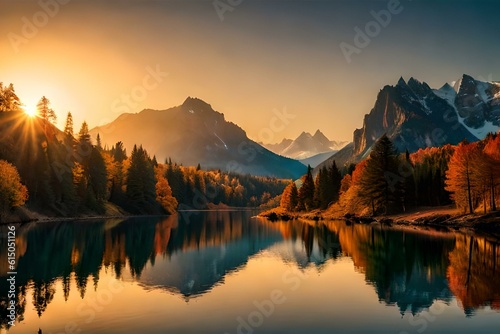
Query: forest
386	182
63	173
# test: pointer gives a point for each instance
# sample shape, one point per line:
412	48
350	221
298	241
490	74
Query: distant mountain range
415	116
411	114
194	133
307	146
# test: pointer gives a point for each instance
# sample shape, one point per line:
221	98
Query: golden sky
84	55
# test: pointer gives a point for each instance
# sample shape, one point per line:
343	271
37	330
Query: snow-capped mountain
306	146
477	104
415	116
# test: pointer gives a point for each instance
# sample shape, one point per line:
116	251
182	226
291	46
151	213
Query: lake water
225	272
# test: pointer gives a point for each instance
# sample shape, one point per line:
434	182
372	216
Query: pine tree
84	145
44	110
334	180
306	191
119	152
380	183
98	142
68	128
97	178
321	188
83	134
141	182
9	101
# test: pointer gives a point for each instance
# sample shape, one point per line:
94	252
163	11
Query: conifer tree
306	191
321	191
98	143
334	180
45	111
9	101
68	128
97	176
141	182
380	183
119	152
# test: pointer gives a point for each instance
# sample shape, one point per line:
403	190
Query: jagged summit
401	82
318	135
446	88
411	114
306	145
196	104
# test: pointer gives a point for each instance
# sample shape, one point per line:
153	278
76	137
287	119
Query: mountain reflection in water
407	268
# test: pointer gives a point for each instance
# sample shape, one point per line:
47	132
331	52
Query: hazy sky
263	57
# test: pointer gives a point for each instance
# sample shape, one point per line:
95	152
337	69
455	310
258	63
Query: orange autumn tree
290	197
350	198
492	166
462	175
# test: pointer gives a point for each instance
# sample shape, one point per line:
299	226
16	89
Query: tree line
467	174
65	173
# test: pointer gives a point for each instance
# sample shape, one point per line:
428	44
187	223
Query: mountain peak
195	104
414	81
319	136
446	87
304	135
317	133
401	82
466	77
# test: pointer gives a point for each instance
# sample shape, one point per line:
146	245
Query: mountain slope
412	115
317	159
194	133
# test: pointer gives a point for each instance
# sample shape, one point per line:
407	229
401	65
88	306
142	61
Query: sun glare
30	111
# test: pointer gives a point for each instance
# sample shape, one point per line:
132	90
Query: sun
30	111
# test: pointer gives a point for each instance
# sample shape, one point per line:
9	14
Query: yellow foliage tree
164	192
12	192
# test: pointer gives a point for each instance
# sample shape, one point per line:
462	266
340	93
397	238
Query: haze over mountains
411	114
415	116
194	133
306	146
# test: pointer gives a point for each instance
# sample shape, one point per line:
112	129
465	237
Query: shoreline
23	215
444	217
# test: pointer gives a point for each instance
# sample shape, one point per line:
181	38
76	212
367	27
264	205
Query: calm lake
225	272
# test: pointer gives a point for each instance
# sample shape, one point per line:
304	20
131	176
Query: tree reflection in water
410	269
